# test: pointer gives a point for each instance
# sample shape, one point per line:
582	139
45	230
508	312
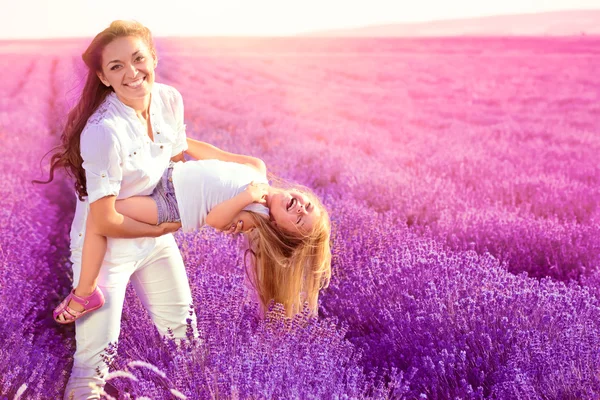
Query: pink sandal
90	303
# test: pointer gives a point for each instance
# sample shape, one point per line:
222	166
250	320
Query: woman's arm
231	211
178	157
112	224
204	151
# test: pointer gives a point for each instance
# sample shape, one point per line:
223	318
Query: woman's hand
169	227
258	192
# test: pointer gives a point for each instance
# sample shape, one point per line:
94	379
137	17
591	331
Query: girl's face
293	211
128	66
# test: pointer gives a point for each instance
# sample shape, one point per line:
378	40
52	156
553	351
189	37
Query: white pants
161	284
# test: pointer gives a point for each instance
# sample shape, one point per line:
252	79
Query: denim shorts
164	196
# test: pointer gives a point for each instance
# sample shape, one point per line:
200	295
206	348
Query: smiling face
128	66
294	211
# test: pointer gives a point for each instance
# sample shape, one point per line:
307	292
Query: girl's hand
258	192
235	228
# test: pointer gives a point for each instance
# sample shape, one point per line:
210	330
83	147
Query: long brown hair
289	268
67	155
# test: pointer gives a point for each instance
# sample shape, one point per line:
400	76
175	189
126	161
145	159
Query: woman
117	142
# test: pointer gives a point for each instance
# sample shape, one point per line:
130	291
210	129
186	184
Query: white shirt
120	159
203	184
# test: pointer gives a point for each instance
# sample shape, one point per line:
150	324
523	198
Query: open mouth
135	84
291	203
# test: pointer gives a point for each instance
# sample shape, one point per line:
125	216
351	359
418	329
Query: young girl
288	231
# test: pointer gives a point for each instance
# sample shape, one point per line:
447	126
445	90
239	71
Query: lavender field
463	182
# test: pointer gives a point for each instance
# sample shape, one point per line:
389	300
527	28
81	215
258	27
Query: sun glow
68	18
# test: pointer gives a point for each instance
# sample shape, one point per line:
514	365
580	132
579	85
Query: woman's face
293	211
128	66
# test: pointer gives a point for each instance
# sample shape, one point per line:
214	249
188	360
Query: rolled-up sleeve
180	138
100	151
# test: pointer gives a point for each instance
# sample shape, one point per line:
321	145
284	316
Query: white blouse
120	159
201	185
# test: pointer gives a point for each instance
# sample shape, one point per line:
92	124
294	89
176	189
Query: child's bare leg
94	248
140	208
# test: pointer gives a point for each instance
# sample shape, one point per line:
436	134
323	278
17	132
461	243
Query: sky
85	18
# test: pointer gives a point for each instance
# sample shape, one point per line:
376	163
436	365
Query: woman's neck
140	106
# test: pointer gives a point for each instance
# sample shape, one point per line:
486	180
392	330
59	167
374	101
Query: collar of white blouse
154	109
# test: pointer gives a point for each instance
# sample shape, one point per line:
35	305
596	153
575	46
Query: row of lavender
406	167
33	246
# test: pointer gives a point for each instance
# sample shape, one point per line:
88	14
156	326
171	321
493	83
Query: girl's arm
242	222
204	151
224	214
111	223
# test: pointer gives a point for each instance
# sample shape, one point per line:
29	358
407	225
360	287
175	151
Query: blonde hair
289	268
